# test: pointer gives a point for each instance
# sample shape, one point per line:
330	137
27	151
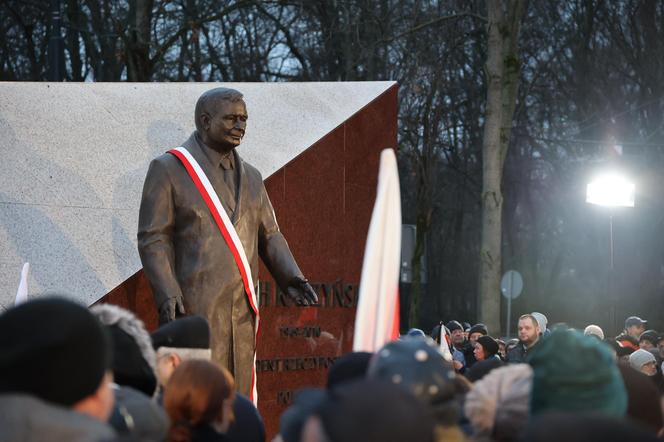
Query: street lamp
611	190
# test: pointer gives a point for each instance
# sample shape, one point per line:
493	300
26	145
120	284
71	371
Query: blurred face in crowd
313	430
636	330
502	351
473	337
528	331
649	368
458	337
646	344
660	347
479	352
166	365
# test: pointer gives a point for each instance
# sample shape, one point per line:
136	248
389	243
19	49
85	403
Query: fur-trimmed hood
119	320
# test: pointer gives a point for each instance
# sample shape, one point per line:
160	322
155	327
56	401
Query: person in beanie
305	403
415	332
418	366
474	333
180	340
135	413
643	404
542	321
573	372
55	378
529	336
369	410
643	361
594	330
349	367
486	353
498	405
466	329
459	345
135	365
186	339
648	340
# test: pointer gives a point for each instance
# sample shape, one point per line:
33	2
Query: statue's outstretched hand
171	308
300	291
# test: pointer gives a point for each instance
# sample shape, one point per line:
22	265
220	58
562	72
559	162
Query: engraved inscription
295	364
337	294
299	332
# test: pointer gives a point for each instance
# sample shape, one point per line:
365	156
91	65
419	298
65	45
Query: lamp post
611	190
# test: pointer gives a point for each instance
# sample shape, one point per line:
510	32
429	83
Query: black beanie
489	345
349	367
454	325
53	349
372	410
478	328
186	332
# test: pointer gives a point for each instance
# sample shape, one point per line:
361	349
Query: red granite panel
275	189
297	345
135	294
314	206
367	133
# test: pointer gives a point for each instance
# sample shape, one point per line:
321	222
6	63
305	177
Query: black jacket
519	354
482	368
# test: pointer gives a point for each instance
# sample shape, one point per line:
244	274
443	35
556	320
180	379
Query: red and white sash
230	236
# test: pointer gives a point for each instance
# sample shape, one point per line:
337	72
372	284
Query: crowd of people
76	374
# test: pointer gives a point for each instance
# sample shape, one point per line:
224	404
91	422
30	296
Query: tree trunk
137	41
502	71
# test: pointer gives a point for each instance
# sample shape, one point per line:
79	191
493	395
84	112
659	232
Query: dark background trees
591	77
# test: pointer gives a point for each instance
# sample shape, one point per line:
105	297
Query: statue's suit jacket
183	251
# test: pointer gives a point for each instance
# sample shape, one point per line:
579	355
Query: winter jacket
520	353
28	419
138	416
482	368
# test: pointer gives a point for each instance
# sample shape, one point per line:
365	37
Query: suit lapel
242	185
214	175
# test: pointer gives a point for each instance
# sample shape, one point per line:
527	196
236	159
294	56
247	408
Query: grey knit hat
594	330
639	358
498	405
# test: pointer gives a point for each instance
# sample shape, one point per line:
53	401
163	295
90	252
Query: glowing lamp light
610	190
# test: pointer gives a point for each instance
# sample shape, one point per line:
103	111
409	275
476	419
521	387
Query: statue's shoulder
250	171
166	160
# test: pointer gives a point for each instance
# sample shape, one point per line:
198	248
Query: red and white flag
377	317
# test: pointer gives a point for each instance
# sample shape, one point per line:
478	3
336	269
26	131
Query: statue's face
224	126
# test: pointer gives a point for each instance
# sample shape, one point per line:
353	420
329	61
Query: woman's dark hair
195	396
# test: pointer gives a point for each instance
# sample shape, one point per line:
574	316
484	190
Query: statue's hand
300	291
171	308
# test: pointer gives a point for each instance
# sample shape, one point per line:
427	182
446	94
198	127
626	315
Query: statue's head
221	118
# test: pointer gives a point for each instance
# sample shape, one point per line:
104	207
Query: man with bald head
192	267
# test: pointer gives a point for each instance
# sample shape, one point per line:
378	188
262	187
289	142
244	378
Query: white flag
22	292
377	317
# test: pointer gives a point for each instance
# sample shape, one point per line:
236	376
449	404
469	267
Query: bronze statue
185	257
